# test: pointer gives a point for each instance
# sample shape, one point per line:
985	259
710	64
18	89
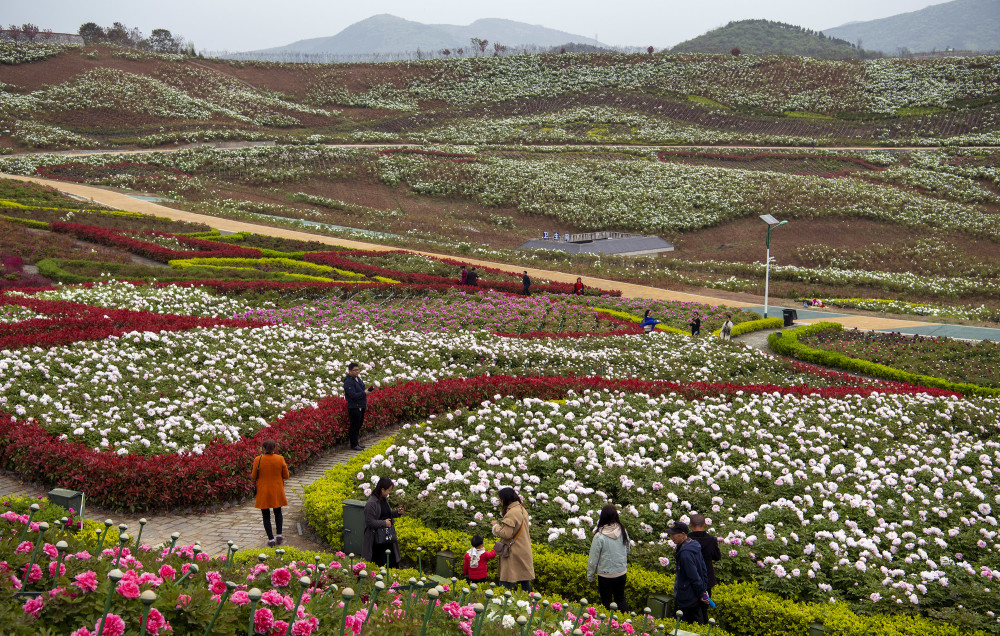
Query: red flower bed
74	322
112	238
222	473
81	172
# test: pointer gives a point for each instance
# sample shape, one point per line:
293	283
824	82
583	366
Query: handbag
385	535
256	467
502	548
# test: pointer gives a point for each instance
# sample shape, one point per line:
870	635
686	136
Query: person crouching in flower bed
517	568
270	472
380	532
609	558
475	566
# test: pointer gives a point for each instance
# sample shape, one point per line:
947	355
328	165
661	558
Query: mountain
963	25
389	34
764	37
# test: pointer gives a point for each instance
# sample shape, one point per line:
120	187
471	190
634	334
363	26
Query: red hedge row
113	238
73	322
222	473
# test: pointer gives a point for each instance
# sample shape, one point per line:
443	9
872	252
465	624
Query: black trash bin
789	315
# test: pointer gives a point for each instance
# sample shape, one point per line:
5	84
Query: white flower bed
822	497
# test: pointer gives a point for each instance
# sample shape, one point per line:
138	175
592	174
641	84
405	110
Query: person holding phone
357	403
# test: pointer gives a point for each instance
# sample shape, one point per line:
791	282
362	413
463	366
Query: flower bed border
787	343
219	475
115	238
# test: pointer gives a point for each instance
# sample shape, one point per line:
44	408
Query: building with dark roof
618	243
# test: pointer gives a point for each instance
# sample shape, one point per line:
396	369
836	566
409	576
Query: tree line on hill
159	41
26	32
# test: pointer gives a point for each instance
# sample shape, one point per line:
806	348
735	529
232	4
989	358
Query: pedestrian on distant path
578	287
475	565
648	322
709	548
517	569
463	276
609	558
269	474
380	531
695	325
727	328
690	589
472	278
527	283
357	403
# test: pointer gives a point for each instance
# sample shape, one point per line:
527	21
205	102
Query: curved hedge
788	343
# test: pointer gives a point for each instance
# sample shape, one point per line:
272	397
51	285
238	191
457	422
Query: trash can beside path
790	315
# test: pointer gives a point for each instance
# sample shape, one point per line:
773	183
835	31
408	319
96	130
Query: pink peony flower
167	572
52	569
183	600
34	606
240	598
281	577
113	625
263	621
36	574
129	589
274	598
156	622
306	627
280	628
24	547
50	551
83	555
83	631
86	581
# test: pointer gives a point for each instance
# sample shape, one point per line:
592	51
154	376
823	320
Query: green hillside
764	37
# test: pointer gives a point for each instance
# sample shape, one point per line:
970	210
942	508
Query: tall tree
29	31
92	33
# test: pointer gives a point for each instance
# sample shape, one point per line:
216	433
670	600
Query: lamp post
771	224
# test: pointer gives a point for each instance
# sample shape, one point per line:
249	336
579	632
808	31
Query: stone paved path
241	524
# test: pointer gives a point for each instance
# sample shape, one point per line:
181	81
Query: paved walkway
240	524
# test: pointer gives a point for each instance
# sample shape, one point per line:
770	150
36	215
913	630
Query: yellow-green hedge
741	328
788	343
296	267
627	316
39	225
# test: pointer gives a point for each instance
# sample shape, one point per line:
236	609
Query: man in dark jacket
526	282
357	403
690	589
709	548
472	278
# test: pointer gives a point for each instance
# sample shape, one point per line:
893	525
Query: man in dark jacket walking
709	548
526	282
357	403
690	589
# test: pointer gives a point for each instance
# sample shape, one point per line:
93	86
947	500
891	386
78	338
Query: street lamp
771	224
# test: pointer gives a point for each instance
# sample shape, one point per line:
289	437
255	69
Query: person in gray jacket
609	558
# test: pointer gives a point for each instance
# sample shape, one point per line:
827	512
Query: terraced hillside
69	97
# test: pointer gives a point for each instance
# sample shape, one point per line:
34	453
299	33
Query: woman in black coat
379	514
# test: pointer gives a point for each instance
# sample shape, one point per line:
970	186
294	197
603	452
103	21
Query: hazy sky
239	25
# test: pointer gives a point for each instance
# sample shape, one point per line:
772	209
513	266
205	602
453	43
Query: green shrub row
763	324
788	343
39	225
742	608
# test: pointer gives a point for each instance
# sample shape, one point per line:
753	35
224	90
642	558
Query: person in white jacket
609	558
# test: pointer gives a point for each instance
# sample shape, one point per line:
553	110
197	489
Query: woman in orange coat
269	473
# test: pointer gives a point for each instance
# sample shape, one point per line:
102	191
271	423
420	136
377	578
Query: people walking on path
727	328
357	403
380	533
472	278
648	322
578	287
526	282
475	565
517	568
690	589
609	558
709	548
269	474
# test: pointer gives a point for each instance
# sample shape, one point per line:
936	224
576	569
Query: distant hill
764	37
965	25
389	34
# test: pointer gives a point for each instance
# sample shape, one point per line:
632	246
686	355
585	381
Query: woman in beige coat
518	569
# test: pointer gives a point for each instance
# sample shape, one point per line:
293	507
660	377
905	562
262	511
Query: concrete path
240	524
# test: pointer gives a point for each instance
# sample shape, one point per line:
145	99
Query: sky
241	25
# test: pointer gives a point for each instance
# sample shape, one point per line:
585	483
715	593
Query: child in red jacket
476	562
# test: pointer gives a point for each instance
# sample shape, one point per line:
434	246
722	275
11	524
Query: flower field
816	497
955	360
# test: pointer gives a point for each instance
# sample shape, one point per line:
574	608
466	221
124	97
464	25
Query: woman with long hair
517	568
269	474
378	515
609	558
